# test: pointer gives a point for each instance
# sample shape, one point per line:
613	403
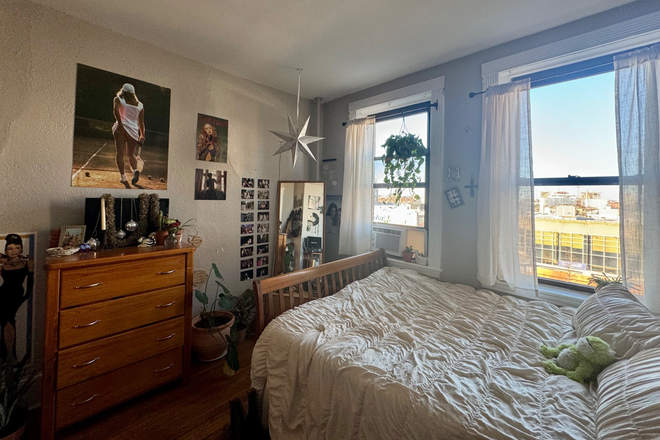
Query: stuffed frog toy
580	362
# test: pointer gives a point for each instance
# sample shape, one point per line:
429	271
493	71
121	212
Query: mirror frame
277	257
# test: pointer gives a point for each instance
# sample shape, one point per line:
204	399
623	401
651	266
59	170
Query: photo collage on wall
255	228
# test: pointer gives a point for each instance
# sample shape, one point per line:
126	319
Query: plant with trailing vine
404	156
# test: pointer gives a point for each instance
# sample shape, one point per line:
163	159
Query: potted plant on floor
213	324
403	159
407	254
15	381
244	310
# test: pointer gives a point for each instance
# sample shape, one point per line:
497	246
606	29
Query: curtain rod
401	111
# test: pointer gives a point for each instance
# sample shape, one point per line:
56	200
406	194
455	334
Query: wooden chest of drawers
118	324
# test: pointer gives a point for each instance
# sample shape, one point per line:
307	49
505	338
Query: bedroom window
410	217
576	183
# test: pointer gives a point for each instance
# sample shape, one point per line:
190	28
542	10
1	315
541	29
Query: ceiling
342	46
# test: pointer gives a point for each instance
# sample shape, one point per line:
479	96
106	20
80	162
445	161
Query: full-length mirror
300	239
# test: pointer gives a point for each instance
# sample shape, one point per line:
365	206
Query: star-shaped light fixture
296	139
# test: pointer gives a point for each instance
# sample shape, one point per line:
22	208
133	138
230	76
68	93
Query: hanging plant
403	160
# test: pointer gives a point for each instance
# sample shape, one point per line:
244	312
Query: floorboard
197	411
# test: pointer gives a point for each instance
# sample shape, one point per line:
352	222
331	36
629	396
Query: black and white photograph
263	194
262	239
247	182
263	216
313	202
247	241
247	252
263	206
210	185
247	229
263	183
247	216
262	271
121	132
262	249
247	194
247	275
247	263
211	139
247	206
263	228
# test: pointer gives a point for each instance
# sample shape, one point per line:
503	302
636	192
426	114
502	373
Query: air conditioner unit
390	238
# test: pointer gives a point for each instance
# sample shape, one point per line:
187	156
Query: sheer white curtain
505	208
638	141
358	194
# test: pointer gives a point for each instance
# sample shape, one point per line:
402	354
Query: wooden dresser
118	324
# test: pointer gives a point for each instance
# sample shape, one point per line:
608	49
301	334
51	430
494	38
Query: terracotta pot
160	237
210	344
241	334
16	435
407	256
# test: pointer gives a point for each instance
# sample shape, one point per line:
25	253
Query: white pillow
618	318
628	404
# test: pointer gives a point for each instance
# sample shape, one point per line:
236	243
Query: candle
102	213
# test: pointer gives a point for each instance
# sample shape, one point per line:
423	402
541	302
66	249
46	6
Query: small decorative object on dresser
118	324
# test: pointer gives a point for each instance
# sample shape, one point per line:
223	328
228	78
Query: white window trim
639	31
432	90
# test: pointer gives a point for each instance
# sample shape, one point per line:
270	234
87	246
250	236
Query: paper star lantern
296	139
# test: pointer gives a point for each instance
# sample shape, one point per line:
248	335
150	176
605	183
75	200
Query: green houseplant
214	322
404	156
244	311
15	381
407	254
603	281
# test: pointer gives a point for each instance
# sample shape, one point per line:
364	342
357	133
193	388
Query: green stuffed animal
580	362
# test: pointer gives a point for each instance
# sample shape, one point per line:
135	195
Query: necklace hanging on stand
121	233
131	225
93	242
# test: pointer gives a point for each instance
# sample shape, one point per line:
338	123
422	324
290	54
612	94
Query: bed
363	350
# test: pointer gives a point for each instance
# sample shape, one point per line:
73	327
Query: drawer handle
161	306
88	286
86	363
166	337
87	325
164	369
167	272
84	401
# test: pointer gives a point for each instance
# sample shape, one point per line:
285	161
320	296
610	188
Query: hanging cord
298	99
121	211
404	127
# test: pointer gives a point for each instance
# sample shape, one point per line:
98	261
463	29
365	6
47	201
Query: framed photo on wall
212	134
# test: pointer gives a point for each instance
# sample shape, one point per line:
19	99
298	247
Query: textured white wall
39	52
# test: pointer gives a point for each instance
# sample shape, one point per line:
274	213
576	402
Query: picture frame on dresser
109	339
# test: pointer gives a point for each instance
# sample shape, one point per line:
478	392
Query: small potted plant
214	322
407	254
244	310
15	381
603	281
175	230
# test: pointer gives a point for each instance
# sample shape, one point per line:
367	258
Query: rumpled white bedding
401	356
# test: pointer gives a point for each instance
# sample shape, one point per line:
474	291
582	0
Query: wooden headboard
276	295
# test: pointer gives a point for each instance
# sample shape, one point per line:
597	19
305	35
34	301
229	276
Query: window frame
414	109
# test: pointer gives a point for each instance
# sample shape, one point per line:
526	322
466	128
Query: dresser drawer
93	321
89	360
92	396
97	283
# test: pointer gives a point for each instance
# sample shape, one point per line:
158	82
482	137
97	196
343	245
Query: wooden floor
197	411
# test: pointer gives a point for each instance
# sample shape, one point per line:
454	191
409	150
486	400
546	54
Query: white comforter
401	356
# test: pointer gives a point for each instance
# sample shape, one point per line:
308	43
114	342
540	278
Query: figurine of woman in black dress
15	269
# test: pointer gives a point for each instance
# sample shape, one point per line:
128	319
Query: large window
411	213
576	191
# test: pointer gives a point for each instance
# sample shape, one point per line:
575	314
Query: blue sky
574	130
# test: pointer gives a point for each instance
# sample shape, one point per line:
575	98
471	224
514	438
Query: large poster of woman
211	139
16	303
121	132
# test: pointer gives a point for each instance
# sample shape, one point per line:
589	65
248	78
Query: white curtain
505	207
358	194
638	141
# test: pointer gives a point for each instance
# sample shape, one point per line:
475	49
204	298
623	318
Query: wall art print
122	125
212	134
210	185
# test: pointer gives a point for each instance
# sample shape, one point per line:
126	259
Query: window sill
554	295
424	270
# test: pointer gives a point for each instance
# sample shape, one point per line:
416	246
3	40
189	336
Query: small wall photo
103	149
212	138
210	185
